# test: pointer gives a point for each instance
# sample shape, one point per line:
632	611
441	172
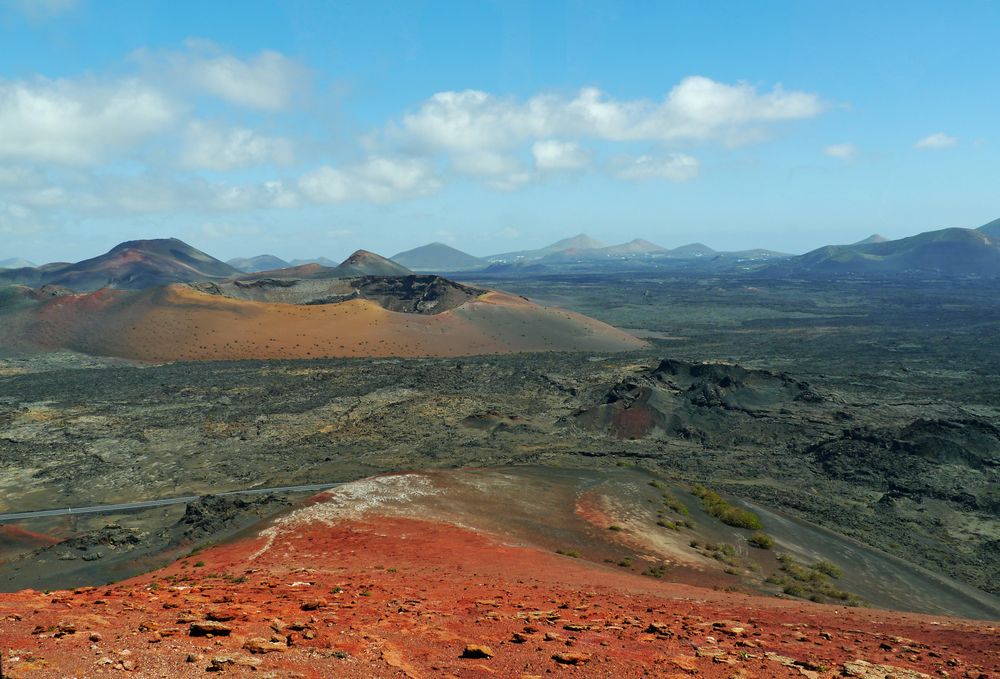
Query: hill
419	575
874	238
692	250
258	263
567	246
951	252
367	263
637	246
16	263
132	265
319	314
322	261
991	229
437	257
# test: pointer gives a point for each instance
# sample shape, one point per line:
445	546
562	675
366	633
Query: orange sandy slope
329	593
178	323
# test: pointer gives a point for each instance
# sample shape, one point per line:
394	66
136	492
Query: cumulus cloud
675	167
378	179
552	155
267	80
696	109
938	140
78	122
217	148
844	152
16	219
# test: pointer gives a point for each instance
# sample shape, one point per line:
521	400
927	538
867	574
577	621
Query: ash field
867	408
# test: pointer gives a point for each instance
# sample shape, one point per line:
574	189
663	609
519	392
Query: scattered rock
862	669
477	651
571	658
313	604
261	646
207	627
660	628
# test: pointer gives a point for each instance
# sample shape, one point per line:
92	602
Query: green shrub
827	568
676	505
658	571
715	506
761	540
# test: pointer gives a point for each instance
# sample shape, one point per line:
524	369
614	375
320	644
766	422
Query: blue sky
307	128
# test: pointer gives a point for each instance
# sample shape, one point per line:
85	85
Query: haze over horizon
302	130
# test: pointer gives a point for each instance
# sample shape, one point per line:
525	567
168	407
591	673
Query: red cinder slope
348	587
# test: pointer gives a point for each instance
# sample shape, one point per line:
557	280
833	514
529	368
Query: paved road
146	504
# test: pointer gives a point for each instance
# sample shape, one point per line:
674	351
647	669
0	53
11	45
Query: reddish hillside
180	323
352	587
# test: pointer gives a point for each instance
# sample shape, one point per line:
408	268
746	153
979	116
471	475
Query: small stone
571	658
313	604
261	646
477	651
206	627
95	637
660	628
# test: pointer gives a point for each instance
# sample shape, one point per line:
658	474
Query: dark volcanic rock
701	401
953	460
212	513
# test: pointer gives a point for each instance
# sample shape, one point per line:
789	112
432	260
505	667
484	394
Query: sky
306	129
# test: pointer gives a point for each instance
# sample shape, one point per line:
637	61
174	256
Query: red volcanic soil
366	595
177	322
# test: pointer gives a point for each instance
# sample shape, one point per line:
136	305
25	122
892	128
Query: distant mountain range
133	264
258	263
15	263
438	257
952	252
142	264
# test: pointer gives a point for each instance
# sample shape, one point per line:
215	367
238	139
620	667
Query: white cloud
846	152
487	163
40	10
17	219
675	167
268	80
938	140
229	230
378	179
78	122
697	109
19	176
215	148
554	155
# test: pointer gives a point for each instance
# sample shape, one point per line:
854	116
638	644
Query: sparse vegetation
569	552
722	551
812	581
675	504
761	540
659	570
717	507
